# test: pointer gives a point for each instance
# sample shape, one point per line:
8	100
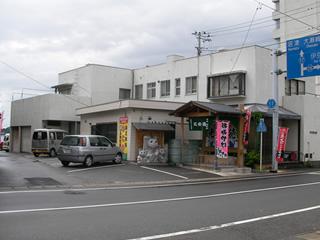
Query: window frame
165	88
151	90
125	92
138	91
193	85
178	87
300	87
223	85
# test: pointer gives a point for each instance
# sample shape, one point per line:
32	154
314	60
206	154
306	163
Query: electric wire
38	82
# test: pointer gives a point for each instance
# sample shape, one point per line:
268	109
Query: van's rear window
73	141
39	136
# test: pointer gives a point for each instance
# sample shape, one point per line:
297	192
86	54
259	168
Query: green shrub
309	164
252	158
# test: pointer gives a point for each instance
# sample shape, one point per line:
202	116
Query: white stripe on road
156	201
164	172
92	168
210	228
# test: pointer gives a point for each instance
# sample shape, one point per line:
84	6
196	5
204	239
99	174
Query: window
108	130
165	88
178	86
59	135
124	93
226	85
191	85
151	90
39	136
295	87
138	91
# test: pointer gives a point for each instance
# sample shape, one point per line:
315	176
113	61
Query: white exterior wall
308	107
102	83
306	11
255	61
134	113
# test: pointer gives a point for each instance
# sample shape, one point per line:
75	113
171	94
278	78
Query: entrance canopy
194	109
283	112
153	126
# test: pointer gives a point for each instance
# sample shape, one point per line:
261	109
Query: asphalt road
24	170
269	207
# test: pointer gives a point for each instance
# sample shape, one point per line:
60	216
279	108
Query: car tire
52	153
36	154
118	158
88	161
65	163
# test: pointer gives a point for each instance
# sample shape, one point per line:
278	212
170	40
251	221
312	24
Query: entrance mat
42	181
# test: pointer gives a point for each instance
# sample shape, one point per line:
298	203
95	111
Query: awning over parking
283	112
153	126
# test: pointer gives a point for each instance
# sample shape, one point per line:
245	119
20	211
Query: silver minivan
87	149
46	141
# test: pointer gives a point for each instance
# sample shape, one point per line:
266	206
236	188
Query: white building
147	95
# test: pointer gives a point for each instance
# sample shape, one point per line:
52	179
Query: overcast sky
41	38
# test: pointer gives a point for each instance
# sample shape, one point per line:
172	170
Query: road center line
210	228
92	168
157	200
179	176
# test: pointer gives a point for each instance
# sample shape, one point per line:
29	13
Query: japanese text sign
222	139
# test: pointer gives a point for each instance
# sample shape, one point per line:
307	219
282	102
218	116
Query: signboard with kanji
303	57
123	136
222	139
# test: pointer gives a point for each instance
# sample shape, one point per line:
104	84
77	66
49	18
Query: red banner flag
282	139
222	139
246	129
1	120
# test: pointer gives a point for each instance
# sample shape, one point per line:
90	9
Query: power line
25	75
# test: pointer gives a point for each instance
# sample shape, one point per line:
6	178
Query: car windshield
73	141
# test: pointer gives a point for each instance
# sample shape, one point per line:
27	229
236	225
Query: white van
6	142
46	141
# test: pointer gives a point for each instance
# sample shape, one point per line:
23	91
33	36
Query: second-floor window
138	91
165	88
191	85
226	85
178	86
124	93
151	90
295	87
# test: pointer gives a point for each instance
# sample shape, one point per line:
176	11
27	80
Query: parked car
46	141
6	142
88	149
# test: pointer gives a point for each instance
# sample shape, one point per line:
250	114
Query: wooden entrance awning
201	109
195	109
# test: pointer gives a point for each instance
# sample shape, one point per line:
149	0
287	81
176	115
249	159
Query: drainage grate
42	181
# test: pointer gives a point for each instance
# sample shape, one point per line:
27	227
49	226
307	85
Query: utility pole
275	118
201	36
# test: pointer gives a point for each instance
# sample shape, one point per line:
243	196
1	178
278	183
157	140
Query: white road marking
92	168
210	228
153	185
164	172
157	200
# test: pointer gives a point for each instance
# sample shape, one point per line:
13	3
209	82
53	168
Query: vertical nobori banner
246	129
1	120
222	139
282	139
123	136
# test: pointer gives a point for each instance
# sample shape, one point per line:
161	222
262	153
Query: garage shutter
26	139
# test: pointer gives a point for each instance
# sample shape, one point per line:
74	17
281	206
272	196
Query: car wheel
118	158
7	150
88	161
52	153
65	163
36	154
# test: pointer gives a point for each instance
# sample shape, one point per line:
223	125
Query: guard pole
261	134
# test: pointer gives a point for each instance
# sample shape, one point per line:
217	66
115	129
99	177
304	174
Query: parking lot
25	170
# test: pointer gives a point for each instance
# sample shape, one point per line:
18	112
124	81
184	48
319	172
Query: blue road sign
271	103
303	57
261	127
